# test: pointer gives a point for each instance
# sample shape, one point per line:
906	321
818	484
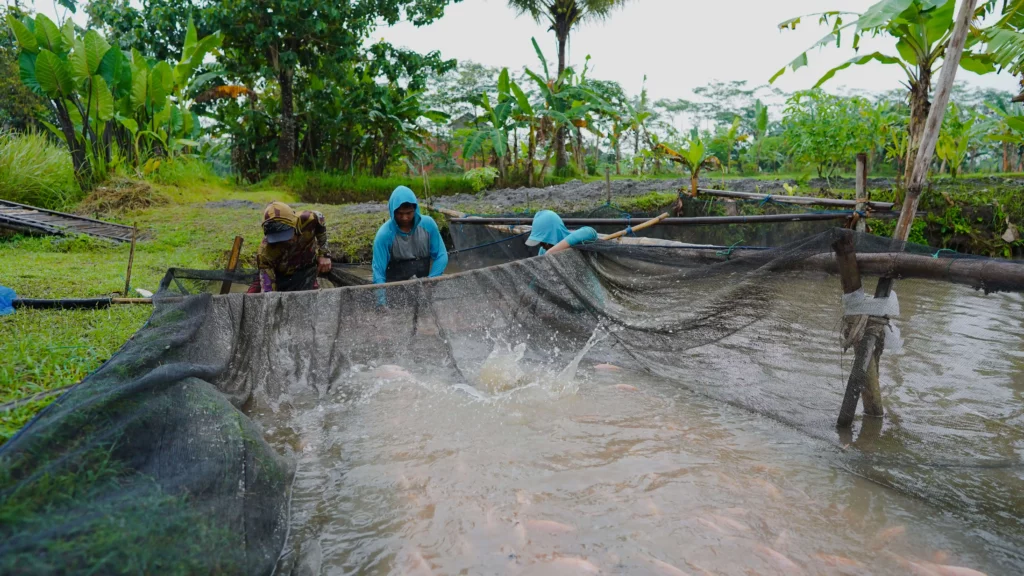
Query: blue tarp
7	297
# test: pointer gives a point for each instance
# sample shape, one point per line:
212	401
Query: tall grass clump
324	188
37	171
183	172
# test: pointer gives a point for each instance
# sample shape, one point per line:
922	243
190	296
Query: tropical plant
498	123
563	16
695	158
729	137
827	131
100	96
921	28
34	170
760	130
955	139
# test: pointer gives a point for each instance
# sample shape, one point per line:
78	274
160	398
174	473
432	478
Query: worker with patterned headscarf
294	250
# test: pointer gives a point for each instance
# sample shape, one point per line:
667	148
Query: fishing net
152	465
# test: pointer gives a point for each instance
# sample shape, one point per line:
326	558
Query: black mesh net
152	464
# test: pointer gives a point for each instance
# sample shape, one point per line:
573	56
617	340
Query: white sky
678	44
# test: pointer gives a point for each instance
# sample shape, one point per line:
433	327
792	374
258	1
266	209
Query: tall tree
563	16
277	39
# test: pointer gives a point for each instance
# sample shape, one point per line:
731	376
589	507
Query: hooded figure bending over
408	245
552	235
294	250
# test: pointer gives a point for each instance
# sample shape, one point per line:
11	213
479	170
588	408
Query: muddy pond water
603	470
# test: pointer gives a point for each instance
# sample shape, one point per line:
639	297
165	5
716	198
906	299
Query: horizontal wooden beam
801	200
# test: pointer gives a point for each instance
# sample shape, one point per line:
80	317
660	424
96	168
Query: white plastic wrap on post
893	340
859	304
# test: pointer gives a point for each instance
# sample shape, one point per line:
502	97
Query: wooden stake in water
236	250
131	258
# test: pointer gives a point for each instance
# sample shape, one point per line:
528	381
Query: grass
327	188
36	171
46	349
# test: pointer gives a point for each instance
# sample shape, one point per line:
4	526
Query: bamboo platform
34	221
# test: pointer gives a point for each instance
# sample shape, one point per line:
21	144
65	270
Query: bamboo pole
871	346
131	259
697	221
863	197
637	228
236	249
800	200
608	183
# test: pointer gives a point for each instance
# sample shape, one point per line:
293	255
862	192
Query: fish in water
607	368
548	526
666	568
392	372
417	565
946	570
625	387
885	536
780	560
730	523
709	524
838	561
575	565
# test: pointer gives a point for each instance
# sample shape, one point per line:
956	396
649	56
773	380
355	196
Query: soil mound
120	195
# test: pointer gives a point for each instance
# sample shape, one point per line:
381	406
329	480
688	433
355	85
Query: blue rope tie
936	255
767	200
629	231
728	251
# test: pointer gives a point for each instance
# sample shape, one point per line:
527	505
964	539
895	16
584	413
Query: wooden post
131	259
608	183
869	349
863	197
849	276
732	208
236	250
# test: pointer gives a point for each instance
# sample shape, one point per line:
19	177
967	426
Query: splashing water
567	377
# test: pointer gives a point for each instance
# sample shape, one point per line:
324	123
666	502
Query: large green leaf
521	99
503	91
116	72
53	75
67	31
162	116
543	60
878	56
977	63
26	39
96	47
939	21
879	14
161	80
56	131
797	63
140	86
27	71
101	102
129	123
190	41
907	51
49	36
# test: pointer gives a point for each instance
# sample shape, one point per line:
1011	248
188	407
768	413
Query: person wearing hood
294	250
408	245
551	234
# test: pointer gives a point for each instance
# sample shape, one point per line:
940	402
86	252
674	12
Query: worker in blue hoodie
408	245
550	232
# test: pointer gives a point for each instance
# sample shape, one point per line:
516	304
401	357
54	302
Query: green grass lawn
46	349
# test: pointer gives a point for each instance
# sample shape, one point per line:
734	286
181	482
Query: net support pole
870	348
608	183
860	381
131	260
863	197
236	250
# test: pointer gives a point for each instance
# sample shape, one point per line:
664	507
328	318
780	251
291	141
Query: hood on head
547	229
279	222
403	195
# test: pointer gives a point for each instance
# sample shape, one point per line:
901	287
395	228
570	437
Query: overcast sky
677	44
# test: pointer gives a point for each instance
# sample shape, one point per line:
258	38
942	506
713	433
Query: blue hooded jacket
424	240
548	228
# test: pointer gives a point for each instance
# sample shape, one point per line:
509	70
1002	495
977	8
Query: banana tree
955	139
695	158
498	120
1007	130
921	28
760	130
730	137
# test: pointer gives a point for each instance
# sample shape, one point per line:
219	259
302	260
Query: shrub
183	172
36	171
481	178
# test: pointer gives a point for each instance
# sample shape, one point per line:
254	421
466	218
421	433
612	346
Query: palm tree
564	15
